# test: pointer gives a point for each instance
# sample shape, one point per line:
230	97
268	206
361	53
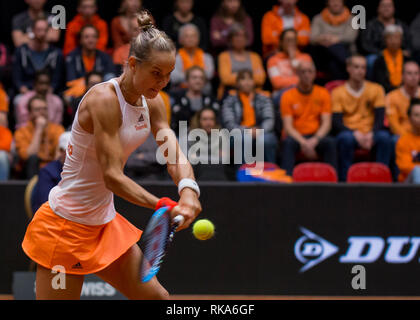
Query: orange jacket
6	138
407	151
74	27
272	27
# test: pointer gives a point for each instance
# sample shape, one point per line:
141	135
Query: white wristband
188	183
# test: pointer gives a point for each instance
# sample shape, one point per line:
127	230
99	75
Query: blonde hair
150	38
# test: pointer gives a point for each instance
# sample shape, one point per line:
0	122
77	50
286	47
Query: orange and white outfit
78	228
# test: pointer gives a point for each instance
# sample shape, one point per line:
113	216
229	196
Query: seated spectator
238	58
415	38
372	38
121	25
87	57
86	16
42	87
408	147
190	55
282	66
181	16
50	175
37	55
6	138
4	107
285	15
358	116
333	39
121	54
388	67
142	164
229	12
92	78
36	143
208	165
248	109
193	100
398	100
22	23
306	115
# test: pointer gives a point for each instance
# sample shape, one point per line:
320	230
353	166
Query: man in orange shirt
408	147
86	16
358	108
36	143
306	115
283	16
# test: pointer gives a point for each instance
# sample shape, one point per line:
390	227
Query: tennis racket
157	237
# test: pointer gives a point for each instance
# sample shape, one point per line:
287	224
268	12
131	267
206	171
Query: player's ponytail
150	38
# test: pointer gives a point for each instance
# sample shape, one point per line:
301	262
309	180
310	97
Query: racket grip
179	220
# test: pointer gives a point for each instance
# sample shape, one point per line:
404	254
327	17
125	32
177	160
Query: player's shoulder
102	96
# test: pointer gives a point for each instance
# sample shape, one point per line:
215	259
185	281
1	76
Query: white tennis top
81	196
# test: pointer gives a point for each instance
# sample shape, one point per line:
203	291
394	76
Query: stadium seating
369	172
314	172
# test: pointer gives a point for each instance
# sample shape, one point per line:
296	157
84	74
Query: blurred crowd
322	89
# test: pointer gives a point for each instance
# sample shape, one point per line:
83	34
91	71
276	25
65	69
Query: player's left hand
188	206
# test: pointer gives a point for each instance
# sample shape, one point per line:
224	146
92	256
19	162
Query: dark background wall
406	10
257	228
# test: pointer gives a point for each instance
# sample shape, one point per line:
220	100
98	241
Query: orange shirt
407	154
6	138
397	103
189	61
281	71
89	62
272	27
306	109
4	100
167	102
248	111
74	27
358	109
121	54
49	141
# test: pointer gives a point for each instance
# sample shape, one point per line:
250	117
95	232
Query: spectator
37	55
333	39
120	55
209	164
190	55
193	100
92	78
142	164
50	175
5	65
229	12
42	87
408	147
372	38
415	37
283	16
238	58
22	23
282	66
36	142
5	137
87	57
121	25
358	116
181	16
398	100
4	107
248	109
86	16
306	115
388	67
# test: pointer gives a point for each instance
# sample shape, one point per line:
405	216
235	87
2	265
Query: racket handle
179	220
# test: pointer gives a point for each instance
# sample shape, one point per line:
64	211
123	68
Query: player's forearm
125	188
180	171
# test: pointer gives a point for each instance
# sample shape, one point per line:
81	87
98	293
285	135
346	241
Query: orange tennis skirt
53	241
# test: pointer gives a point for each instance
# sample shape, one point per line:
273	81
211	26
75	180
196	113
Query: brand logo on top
311	249
141	124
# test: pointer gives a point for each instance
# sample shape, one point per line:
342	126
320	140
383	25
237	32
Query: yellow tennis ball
203	229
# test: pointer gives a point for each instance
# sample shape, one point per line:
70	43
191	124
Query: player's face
153	75
411	75
415	117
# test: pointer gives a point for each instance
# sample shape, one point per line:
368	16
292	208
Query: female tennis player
78	228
